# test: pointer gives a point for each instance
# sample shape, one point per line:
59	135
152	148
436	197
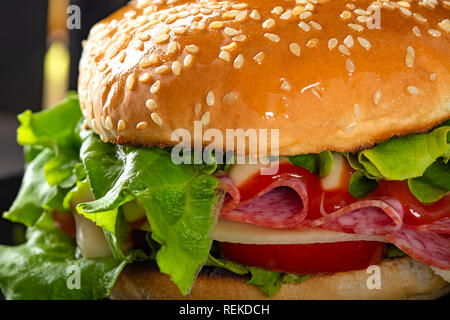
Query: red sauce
415	212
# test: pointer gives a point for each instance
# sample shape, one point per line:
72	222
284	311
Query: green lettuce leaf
360	186
419	158
269	282
433	184
405	157
34	192
181	201
55	129
320	163
42	269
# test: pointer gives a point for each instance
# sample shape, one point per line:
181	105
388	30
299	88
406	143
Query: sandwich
243	150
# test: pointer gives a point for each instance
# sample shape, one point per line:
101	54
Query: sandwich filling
100	206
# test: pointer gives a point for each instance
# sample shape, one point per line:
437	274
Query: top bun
314	69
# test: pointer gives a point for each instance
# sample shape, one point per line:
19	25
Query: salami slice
284	205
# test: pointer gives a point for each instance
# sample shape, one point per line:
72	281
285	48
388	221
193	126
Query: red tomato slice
306	258
64	222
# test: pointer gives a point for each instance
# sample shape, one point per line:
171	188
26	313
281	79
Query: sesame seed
210	99
94	125
377	97
297	10
305	27
259	57
191	48
162	69
445	25
173	47
102	67
231	32
145	77
151	60
417	31
150	104
356	110
295	49
156	119
230	47
205	118
131	81
388	5
108	123
305	15
309	6
230	97
144	36
239	38
155	87
312	43
176	68
413	90
433	77
349	65
361	12
241	16
162	38
122	55
277	10
238	62
351	127
285	85
362	19
121	125
142	125
255	15
419	18
188	60
435	33
350	6
344	50
409	59
315	25
348	41
138	44
197	108
239	6
287	15
407	13
404	4
364	43
332	43
356	27
345	15
216	25
230	14
179	30
225	56
268	24
272	37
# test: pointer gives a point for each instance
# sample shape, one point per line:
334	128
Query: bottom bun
401	278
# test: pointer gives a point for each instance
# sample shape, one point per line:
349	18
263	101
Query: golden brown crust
402	278
323	105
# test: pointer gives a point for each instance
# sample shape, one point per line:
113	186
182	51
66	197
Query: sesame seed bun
315	71
401	278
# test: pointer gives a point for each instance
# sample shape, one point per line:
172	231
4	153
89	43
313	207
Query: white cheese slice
240	173
90	238
334	179
237	232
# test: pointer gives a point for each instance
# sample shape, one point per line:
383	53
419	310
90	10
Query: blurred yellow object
56	73
57	15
